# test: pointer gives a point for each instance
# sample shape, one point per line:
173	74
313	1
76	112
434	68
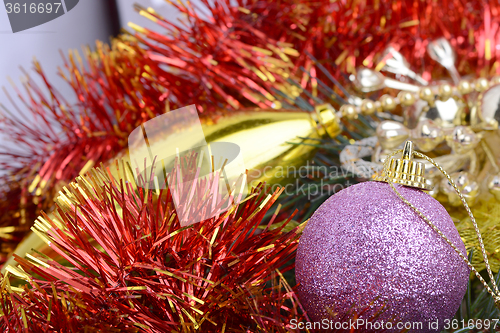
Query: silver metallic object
463	140
427	135
493	183
489	107
468	188
368	80
395	63
446	114
391	134
441	51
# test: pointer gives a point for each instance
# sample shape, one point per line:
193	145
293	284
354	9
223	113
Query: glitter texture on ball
365	251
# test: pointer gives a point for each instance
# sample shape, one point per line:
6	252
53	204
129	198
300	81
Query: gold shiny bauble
348	111
270	143
464	87
426	94
368	80
387	102
406	98
462	139
481	84
270	139
493	183
446	114
391	134
427	135
368	107
468	188
445	92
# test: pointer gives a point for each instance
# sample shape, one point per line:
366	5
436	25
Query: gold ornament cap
406	171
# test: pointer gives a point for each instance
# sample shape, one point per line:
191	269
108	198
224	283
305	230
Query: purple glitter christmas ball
365	251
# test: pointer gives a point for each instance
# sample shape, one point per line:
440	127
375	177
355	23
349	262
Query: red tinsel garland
233	59
130	265
120	275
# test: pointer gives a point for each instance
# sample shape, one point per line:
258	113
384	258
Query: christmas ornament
468	188
132	267
448	120
391	134
441	51
264	54
268	140
460	113
427	135
395	63
489	103
367	246
368	80
447	114
463	140
494	185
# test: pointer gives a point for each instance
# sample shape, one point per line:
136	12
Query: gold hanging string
495	294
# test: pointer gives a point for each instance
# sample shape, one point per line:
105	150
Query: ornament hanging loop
391	176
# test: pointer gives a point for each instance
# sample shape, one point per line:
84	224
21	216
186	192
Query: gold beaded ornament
442	92
408	172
